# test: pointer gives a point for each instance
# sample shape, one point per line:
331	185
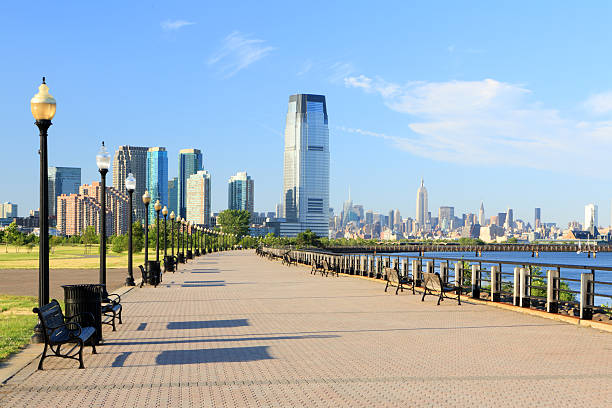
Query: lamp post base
129	281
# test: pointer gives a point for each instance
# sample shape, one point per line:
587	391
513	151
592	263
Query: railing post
495	284
524	290
516	289
404	267
586	295
430	267
416	272
552	291
475	282
458	277
444	272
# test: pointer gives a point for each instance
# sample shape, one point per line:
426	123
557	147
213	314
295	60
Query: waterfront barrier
589	249
571	290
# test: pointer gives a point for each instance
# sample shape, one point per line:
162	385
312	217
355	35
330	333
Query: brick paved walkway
236	330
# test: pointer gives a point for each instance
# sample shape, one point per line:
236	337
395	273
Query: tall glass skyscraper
422	206
173	196
157	178
240	191
306	169
62	180
190	162
131	159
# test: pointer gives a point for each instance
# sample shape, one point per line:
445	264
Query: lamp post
172	216
43	107
179	238
146	199
189	252
165	214
157	208
103	162
130	186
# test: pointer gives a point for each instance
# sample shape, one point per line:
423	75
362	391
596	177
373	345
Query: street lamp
172	216
189	252
157	208
103	161
146	199
179	231
43	107
130	186
165	214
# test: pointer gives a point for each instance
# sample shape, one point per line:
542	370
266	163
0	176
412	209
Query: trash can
85	298
180	257
169	263
154	272
189	254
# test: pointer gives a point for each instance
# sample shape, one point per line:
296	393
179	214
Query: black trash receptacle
154	272
85	298
189	254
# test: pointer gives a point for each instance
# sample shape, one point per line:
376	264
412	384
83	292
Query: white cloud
490	122
599	103
306	67
172	25
238	52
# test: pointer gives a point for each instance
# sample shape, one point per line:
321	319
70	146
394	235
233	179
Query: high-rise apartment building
369	217
116	206
173	196
157	178
190	162
62	180
590	216
421	205
131	159
537	220
240	192
306	166
198	198
8	210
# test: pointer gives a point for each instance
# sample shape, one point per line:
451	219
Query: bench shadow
202	284
207	324
142	342
218	355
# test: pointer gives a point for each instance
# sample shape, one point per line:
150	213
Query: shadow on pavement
207	324
230	354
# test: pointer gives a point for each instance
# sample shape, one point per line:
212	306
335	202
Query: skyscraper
509	219
306	166
198	198
131	159
62	180
240	192
421	205
173	196
190	162
590	216
481	214
8	210
157	178
397	218
537	221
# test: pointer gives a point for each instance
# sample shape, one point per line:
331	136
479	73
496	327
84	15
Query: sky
509	103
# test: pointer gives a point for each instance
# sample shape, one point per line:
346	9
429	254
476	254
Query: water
603	259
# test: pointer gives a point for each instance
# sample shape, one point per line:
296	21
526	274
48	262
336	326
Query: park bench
287	260
432	282
145	277
323	267
59	330
111	309
397	279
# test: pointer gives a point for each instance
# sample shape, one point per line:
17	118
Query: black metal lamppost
179	238
172	217
130	186
165	214
43	107
146	199
157	208
103	161
188	230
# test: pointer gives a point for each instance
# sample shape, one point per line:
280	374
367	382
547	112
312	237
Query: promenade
233	329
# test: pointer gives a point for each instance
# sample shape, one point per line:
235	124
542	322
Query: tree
137	237
89	237
308	239
120	243
235	222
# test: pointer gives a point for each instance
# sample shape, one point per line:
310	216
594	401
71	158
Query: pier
452	247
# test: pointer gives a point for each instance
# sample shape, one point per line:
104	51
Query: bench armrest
115	301
89	315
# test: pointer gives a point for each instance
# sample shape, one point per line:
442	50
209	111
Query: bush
119	244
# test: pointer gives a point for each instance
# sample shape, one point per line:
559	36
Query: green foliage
89	237
16	323
470	241
234	222
512	240
137	237
538	279
307	239
119	244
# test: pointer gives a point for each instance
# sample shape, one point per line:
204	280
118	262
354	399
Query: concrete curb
20	360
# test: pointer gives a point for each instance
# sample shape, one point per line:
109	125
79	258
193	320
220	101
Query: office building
481	214
190	162
240	192
537	220
421	205
306	166
62	180
8	210
173	196
131	159
198	198
509	223
590	216
157	178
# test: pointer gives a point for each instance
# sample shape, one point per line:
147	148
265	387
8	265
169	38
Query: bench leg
93	348
120	312
439	298
387	286
113	321
399	285
81	365
424	291
42	357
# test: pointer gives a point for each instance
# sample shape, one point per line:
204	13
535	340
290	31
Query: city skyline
391	110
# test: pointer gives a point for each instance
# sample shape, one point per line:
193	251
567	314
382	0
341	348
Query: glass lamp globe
130	182
157	206
146	197
165	211
103	158
172	216
42	104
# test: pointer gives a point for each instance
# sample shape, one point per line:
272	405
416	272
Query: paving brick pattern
233	329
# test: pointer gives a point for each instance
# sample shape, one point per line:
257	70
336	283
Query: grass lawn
68	257
16	323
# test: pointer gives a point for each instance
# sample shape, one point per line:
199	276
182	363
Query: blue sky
505	102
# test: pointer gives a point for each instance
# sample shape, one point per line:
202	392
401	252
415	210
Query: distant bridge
422	248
